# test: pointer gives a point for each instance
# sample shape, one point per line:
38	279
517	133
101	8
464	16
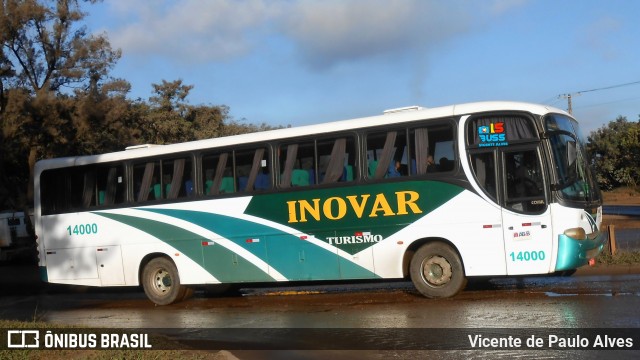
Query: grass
620	258
622	196
96	354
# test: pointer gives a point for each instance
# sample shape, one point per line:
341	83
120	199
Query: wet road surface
561	302
597	301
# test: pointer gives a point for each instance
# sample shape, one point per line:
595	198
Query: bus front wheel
436	271
161	282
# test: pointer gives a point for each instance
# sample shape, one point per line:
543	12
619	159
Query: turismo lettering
356	239
336	208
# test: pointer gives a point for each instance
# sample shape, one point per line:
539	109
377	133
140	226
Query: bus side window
50	185
387	154
333	160
146	179
174	173
88	192
64	190
249	165
297	164
214	169
110	185
433	148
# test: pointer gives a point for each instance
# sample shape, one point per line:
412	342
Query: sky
290	62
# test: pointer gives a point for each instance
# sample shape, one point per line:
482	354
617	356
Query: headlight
576	233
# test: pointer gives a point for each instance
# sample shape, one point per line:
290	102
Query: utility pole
568	97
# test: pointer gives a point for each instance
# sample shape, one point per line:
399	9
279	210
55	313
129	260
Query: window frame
351	151
232	162
449	124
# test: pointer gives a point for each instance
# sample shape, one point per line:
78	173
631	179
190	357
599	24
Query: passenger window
82	187
63	190
235	171
433	149
387	154
251	170
145	177
110	185
217	171
177	178
335	160
297	164
317	162
163	179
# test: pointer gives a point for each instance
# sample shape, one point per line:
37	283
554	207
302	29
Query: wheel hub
162	281
436	271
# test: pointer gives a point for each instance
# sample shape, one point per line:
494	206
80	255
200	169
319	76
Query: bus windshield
575	181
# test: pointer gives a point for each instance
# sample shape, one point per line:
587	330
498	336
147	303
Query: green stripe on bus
291	256
222	263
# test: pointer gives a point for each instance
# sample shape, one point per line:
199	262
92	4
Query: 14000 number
527	256
83	229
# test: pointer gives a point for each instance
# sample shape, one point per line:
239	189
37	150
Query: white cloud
598	37
190	30
324	33
500	7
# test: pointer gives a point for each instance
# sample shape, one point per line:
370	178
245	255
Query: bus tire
161	282
436	271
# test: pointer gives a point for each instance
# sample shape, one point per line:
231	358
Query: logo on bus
365	205
492	135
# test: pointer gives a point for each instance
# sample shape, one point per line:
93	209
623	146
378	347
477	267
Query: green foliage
615	153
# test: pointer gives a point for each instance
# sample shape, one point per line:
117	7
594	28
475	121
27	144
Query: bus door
526	216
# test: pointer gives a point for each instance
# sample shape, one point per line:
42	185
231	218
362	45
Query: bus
437	195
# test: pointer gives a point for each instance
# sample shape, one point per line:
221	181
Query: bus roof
410	114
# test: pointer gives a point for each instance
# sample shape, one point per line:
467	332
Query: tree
615	152
167	120
44	51
105	119
172	119
46	47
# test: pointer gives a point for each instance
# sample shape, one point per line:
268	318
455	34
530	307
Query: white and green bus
436	195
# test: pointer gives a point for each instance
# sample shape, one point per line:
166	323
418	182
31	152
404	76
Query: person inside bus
394	169
431	165
445	164
527	175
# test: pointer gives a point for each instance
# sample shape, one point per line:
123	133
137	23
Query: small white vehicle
14	234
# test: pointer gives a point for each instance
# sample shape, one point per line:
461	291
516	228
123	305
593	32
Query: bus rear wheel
161	282
436	271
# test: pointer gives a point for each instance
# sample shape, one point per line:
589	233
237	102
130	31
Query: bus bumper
573	253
